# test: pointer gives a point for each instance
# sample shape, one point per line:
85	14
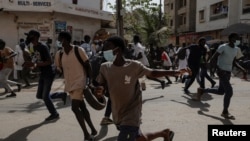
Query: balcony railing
218	16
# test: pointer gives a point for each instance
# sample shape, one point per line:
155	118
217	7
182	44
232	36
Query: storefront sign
34	3
28	5
60	26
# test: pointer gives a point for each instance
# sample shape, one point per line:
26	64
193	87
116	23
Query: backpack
181	54
78	58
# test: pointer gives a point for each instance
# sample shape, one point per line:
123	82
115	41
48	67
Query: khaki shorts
77	94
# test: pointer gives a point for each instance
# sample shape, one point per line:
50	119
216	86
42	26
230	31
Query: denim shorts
128	133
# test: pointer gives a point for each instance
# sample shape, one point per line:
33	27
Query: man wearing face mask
227	55
45	64
121	78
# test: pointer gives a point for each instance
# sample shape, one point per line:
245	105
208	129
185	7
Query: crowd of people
111	65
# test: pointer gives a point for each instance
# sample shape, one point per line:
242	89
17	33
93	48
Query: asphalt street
22	118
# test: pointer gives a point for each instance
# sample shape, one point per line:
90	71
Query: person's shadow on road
194	104
23	133
103	132
223	120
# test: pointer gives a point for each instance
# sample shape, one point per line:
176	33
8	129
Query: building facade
182	15
215	15
190	20
49	17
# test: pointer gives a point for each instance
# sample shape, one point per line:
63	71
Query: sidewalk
21	118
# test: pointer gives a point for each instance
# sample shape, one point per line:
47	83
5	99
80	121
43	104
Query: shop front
49	18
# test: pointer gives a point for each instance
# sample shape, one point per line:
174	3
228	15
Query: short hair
136	39
21	40
87	38
232	35
117	41
33	33
2	42
202	39
65	35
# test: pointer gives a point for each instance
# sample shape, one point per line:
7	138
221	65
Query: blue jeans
224	88
190	80
43	92
128	133
203	75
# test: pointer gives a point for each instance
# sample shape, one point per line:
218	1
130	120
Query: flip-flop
171	135
228	116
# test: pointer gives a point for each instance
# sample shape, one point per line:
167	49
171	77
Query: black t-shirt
42	54
195	56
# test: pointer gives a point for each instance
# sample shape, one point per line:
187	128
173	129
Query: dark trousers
195	71
25	74
203	75
108	108
43	92
224	88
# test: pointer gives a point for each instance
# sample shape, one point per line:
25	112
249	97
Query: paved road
21	118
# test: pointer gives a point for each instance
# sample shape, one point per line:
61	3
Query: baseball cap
33	33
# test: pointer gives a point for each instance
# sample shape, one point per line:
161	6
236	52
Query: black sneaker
52	117
163	84
11	95
19	87
64	98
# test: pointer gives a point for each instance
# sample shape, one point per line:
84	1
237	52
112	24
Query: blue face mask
237	42
108	55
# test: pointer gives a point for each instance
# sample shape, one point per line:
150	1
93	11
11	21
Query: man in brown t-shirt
121	76
7	60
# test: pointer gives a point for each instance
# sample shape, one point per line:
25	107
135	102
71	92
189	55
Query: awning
240	28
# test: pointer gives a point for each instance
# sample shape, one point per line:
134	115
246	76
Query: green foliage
143	17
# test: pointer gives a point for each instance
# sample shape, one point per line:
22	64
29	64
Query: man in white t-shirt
19	60
139	54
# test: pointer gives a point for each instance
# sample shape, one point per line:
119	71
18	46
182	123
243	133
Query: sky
105	7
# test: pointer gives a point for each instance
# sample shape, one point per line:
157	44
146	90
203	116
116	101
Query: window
172	6
171	22
74	1
183	3
219	10
202	16
245	6
183	19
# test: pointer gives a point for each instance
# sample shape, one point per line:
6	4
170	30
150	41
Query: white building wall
208	25
83	21
89	3
8	30
235	10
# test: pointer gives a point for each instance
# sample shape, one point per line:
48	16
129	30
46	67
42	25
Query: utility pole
119	18
160	15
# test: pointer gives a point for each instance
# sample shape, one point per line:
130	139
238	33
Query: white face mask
108	55
59	44
237	42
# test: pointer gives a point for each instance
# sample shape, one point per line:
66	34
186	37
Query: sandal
92	138
228	116
170	135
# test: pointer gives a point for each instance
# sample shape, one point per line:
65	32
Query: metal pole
160	15
119	21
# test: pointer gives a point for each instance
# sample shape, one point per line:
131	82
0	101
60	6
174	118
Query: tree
144	18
